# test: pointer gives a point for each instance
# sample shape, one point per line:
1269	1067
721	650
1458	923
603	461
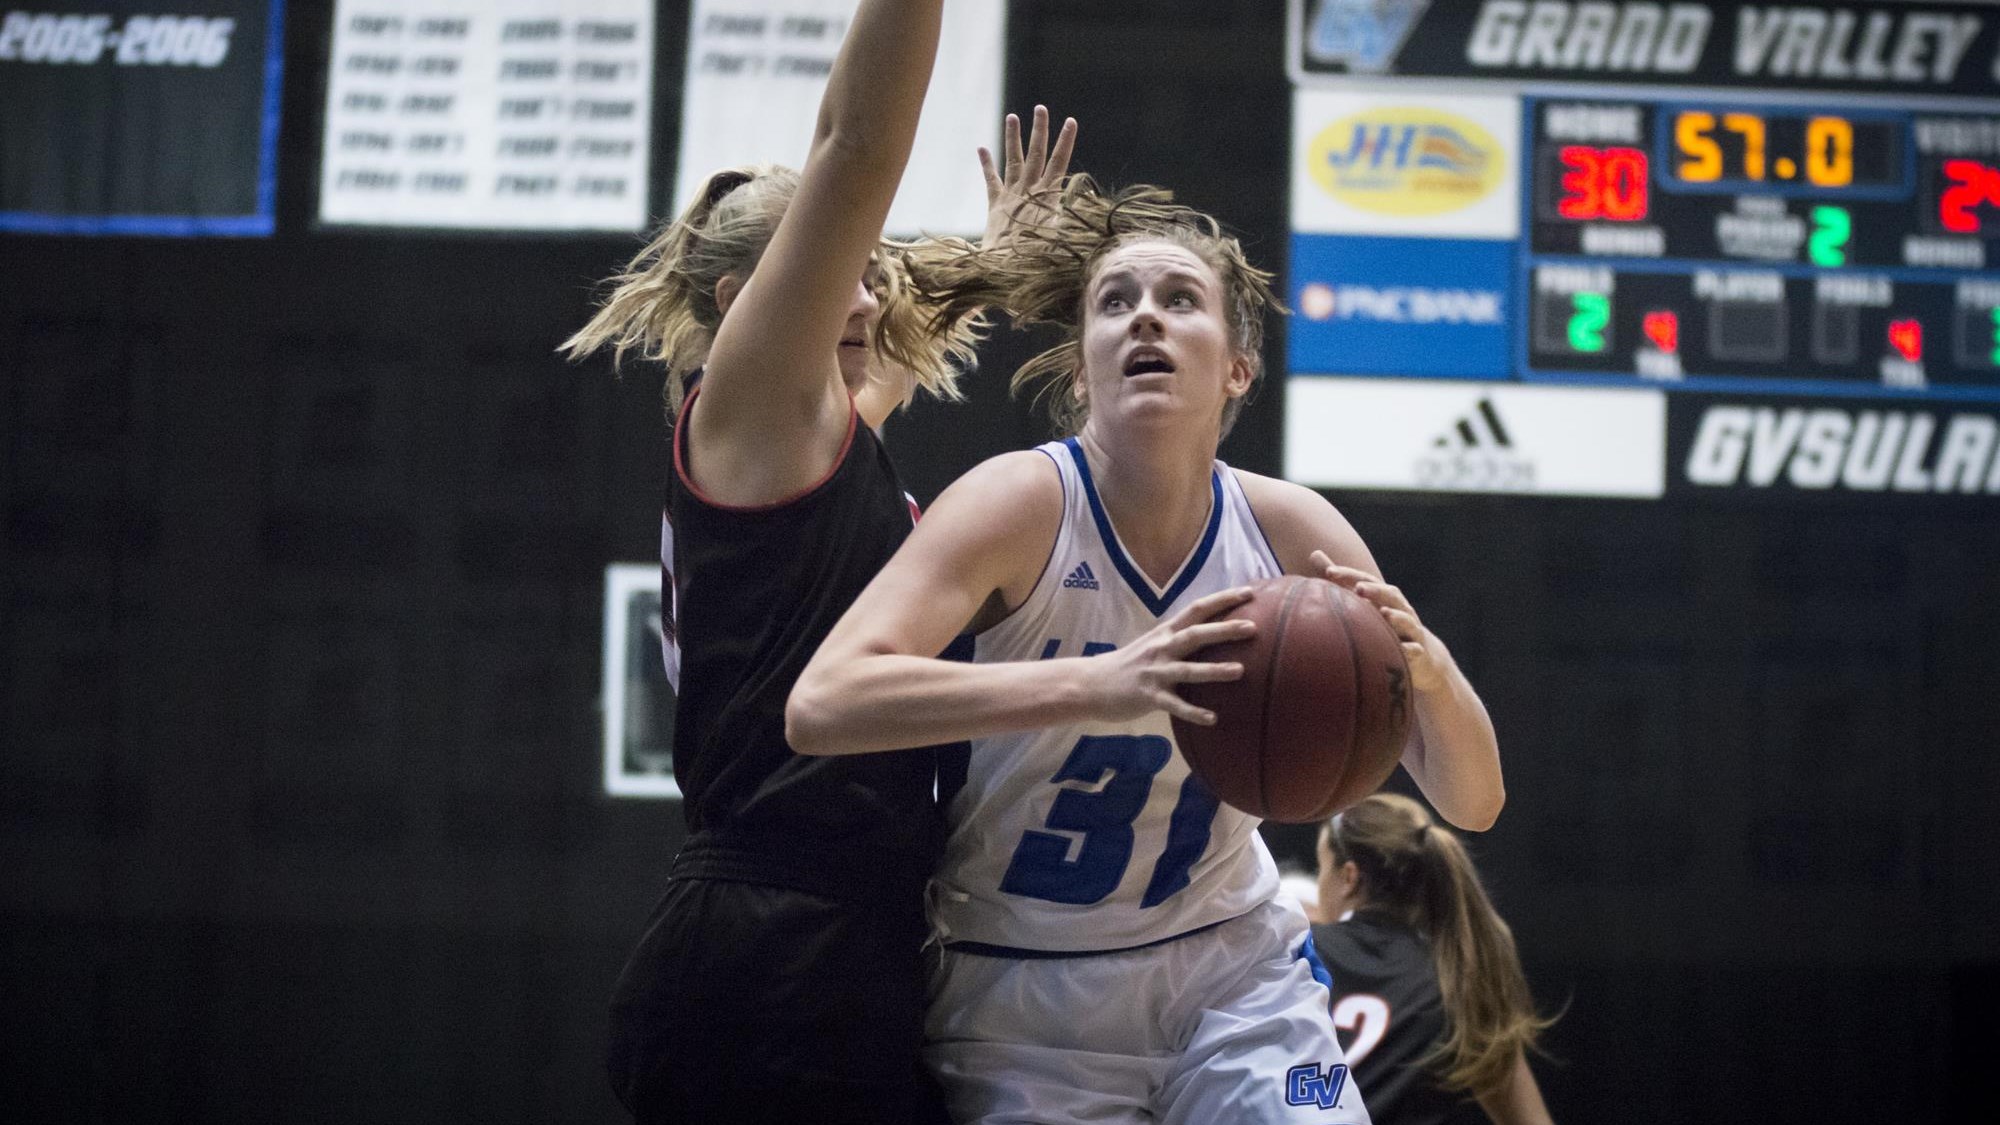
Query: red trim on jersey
680	464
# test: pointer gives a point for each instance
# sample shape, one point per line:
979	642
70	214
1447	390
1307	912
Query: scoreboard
1770	248
1629	249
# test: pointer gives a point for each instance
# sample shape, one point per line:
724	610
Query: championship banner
119	118
506	115
1857	47
756	70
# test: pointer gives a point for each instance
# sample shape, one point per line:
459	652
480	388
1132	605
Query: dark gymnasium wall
301	815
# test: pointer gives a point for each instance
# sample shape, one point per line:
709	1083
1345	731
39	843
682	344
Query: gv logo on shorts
1305	1085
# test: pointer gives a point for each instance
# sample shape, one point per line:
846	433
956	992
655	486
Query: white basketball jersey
1096	836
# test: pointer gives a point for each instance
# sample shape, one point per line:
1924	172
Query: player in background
1427	984
781	973
1113	946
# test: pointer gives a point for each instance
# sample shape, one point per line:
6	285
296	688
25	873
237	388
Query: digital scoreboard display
1768	248
1627	249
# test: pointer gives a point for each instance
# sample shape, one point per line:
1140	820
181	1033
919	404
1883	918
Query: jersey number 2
1366	1016
1041	867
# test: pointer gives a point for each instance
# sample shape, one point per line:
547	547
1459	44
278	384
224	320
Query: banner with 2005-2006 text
127	117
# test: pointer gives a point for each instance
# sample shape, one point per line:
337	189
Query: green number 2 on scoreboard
1831	228
1591	312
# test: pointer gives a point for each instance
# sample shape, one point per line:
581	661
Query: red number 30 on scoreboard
1603	183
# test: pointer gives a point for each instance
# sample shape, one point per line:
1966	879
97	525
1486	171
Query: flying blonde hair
1042	272
1418	871
663	304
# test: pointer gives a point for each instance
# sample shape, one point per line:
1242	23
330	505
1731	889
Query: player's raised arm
773	406
1453	753
1017	190
874	684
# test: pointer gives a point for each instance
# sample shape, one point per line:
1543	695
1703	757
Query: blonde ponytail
663	303
663	306
1419	871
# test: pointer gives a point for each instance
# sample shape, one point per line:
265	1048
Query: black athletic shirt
755	592
1387	1009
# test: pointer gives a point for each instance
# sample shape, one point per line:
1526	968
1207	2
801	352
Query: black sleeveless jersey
1389	1015
754	592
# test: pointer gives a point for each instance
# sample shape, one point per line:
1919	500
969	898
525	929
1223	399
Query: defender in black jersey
781	977
1428	995
781	966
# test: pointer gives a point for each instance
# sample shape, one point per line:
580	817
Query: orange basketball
1322	712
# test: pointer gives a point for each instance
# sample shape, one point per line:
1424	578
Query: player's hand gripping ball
1318	719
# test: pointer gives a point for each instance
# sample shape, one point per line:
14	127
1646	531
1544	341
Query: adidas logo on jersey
1081	578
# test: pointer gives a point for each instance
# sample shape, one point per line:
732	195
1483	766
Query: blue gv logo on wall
1362	35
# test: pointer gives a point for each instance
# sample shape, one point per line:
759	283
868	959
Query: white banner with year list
501	115
755	73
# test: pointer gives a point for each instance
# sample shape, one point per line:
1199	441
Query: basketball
1320	716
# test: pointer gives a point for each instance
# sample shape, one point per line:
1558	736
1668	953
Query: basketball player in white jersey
1114	948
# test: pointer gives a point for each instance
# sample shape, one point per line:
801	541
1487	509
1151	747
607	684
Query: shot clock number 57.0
1752	148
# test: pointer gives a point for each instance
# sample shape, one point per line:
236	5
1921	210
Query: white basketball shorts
1227	1025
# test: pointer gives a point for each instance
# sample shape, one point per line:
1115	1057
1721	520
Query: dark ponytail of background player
1418	871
